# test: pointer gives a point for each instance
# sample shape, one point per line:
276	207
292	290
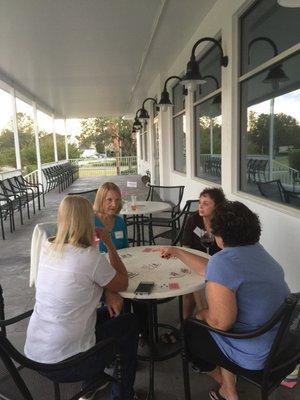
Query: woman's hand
114	303
103	234
168	252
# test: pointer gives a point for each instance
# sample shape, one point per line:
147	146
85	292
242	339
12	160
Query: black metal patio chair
167	219
14	361
6	211
37	188
273	190
88	194
283	357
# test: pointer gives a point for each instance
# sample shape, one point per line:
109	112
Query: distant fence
106	166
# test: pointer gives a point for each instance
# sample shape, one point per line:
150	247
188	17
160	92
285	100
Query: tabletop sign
132	184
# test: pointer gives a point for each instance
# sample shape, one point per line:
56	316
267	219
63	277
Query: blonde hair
101	195
74	223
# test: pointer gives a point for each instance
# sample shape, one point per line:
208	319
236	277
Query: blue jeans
125	330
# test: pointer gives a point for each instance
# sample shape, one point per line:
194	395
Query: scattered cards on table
151	249
173	285
132	274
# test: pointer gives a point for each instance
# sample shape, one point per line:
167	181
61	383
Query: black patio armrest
13	320
242	335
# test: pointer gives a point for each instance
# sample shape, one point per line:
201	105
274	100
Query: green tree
108	133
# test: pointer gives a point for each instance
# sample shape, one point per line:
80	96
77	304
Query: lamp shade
137	124
165	100
143	116
192	78
276	75
289	3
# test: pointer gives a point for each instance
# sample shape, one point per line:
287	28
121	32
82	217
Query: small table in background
144	263
138	211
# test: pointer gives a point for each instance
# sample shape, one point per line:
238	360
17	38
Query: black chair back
169	194
191	206
89	195
285	352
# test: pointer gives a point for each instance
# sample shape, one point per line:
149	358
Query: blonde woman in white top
65	320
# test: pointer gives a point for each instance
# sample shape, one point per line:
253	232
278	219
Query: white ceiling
86	58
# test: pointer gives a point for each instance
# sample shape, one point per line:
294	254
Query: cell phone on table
144	288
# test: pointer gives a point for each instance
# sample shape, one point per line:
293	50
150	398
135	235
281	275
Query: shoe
90	395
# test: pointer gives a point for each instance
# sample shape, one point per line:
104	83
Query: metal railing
106	166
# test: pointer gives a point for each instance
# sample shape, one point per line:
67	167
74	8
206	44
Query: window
141	147
270	104
208	119
179	129
145	139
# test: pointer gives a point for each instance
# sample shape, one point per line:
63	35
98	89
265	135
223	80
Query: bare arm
120	280
222	307
195	262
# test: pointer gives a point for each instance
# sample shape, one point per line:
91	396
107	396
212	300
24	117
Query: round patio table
137	212
171	278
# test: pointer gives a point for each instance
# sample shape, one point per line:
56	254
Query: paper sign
131	184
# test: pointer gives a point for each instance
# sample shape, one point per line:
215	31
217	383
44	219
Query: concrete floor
14	278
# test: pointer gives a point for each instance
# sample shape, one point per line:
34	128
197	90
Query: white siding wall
281	225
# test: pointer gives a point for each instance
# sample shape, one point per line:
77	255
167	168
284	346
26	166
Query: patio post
15	129
66	140
54	139
37	143
271	139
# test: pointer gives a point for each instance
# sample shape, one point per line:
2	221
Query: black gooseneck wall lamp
143	115
165	101
192	78
276	73
136	123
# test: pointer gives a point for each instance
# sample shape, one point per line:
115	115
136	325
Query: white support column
54	139
37	143
66	140
15	129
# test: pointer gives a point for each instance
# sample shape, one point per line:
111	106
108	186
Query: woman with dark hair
198	235
237	280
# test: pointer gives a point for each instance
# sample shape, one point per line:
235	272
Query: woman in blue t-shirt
106	207
244	287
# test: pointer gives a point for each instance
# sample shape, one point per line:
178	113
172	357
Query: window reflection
208	140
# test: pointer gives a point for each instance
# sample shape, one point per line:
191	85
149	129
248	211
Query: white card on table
119	234
198	231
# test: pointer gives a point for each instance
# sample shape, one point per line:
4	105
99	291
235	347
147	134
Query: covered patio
238	130
19	297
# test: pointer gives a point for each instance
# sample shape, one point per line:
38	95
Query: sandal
169	337
215	395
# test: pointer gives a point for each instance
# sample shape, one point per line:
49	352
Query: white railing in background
106	166
287	175
33	177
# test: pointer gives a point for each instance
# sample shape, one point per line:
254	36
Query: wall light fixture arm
263	39
224	59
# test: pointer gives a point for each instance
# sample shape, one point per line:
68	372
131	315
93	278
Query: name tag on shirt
119	234
198	231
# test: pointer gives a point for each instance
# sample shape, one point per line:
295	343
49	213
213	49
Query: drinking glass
133	202
207	239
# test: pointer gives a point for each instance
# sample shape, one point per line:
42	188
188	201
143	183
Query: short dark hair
216	194
236	224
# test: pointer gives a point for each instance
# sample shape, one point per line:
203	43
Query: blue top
258	281
118	234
